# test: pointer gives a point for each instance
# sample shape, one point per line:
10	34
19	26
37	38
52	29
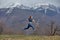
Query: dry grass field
22	37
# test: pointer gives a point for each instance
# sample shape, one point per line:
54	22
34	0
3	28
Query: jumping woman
30	20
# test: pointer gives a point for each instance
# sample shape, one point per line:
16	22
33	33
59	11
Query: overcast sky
5	3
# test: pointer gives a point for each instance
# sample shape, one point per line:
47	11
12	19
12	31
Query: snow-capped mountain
47	9
17	5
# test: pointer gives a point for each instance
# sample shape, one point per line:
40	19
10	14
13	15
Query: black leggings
29	25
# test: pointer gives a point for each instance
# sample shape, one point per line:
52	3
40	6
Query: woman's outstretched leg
32	27
29	25
26	27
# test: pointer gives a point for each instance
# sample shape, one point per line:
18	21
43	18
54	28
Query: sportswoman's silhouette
30	19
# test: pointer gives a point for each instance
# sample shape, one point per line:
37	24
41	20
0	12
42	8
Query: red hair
30	16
